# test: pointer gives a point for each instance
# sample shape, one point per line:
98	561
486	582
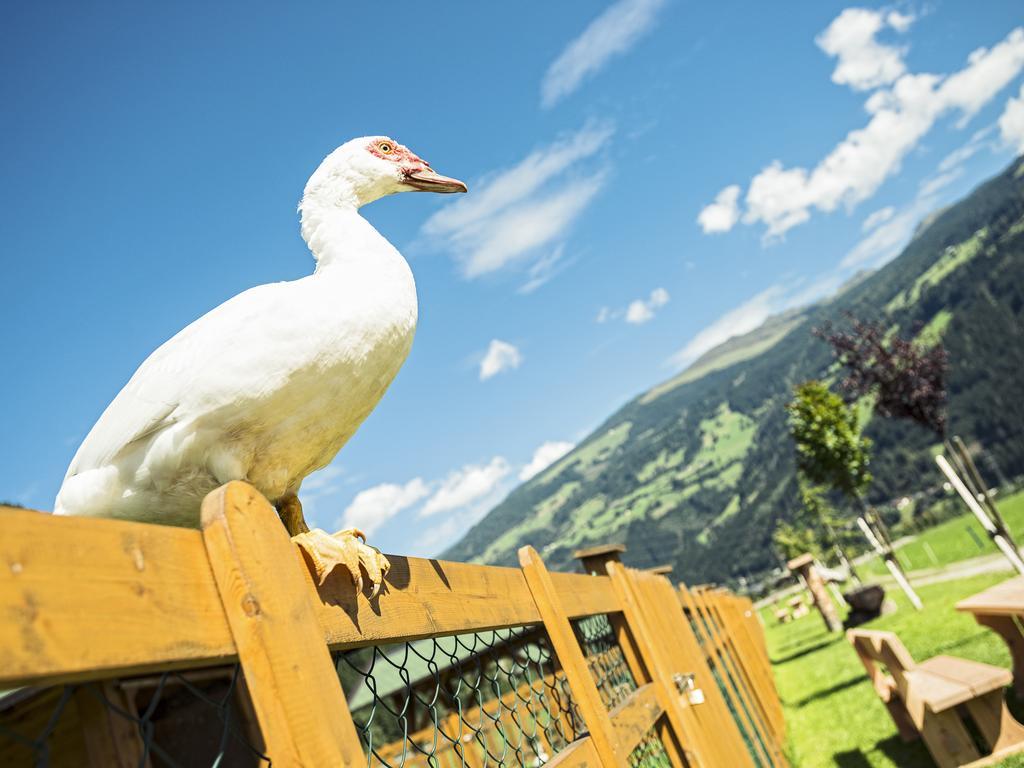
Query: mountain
697	471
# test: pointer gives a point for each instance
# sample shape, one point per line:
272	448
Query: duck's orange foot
348	549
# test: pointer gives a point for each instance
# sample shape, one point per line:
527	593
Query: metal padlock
687	686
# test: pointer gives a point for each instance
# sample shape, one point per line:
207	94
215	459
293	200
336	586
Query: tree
813	528
792	540
908	379
830	450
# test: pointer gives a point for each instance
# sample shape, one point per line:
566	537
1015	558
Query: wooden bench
939	698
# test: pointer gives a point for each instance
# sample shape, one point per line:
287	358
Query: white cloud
604	314
752	313
967	151
887	240
515	212
464	486
638	312
373	507
781	198
721	215
612	33
641	310
933	184
863	62
742	319
545	268
545	455
900	21
500	356
880	216
1011	123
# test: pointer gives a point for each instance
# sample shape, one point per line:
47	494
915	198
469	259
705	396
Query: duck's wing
180	370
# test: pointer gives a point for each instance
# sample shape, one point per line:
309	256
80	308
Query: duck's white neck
338	236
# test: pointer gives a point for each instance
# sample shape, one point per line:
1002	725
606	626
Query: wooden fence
105	622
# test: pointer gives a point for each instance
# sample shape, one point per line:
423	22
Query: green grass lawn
833	717
950	541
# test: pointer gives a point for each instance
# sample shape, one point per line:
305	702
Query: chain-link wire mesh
171	720
612	676
649	753
494	698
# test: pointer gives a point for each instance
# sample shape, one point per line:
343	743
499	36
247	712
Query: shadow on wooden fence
125	644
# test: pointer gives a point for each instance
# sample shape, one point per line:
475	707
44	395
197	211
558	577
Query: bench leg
904	722
998	727
947	740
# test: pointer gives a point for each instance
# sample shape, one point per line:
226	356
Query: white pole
897	574
975	507
872	539
904	584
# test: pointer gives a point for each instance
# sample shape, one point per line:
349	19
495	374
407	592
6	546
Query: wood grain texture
744	637
422	598
81	598
570	656
130	577
687	742
752	669
580	754
708	634
294	687
715	709
635	716
584	595
1004	599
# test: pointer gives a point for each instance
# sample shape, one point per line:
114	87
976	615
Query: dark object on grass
865	604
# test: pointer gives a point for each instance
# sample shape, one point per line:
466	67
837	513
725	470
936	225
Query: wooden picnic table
1001	609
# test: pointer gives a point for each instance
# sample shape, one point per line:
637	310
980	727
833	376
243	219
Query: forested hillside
696	471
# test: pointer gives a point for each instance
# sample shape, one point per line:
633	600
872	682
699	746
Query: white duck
270	385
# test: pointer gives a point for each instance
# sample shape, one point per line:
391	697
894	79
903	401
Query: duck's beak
428	180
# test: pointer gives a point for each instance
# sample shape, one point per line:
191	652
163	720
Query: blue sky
647	177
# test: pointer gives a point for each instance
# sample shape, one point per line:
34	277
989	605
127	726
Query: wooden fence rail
85	600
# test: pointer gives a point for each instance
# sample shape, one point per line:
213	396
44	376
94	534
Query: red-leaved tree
908	379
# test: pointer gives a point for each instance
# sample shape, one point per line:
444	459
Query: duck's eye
386	147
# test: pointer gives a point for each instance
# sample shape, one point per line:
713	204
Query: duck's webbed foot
348	549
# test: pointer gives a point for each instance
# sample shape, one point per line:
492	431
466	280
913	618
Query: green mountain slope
696	471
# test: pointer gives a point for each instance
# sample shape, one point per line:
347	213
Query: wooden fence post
721	643
700	727
595	562
294	686
747	642
719	654
570	656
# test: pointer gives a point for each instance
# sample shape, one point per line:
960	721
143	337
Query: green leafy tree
792	540
830	450
813	528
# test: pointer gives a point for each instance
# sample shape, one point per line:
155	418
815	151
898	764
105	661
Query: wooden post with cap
804	565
